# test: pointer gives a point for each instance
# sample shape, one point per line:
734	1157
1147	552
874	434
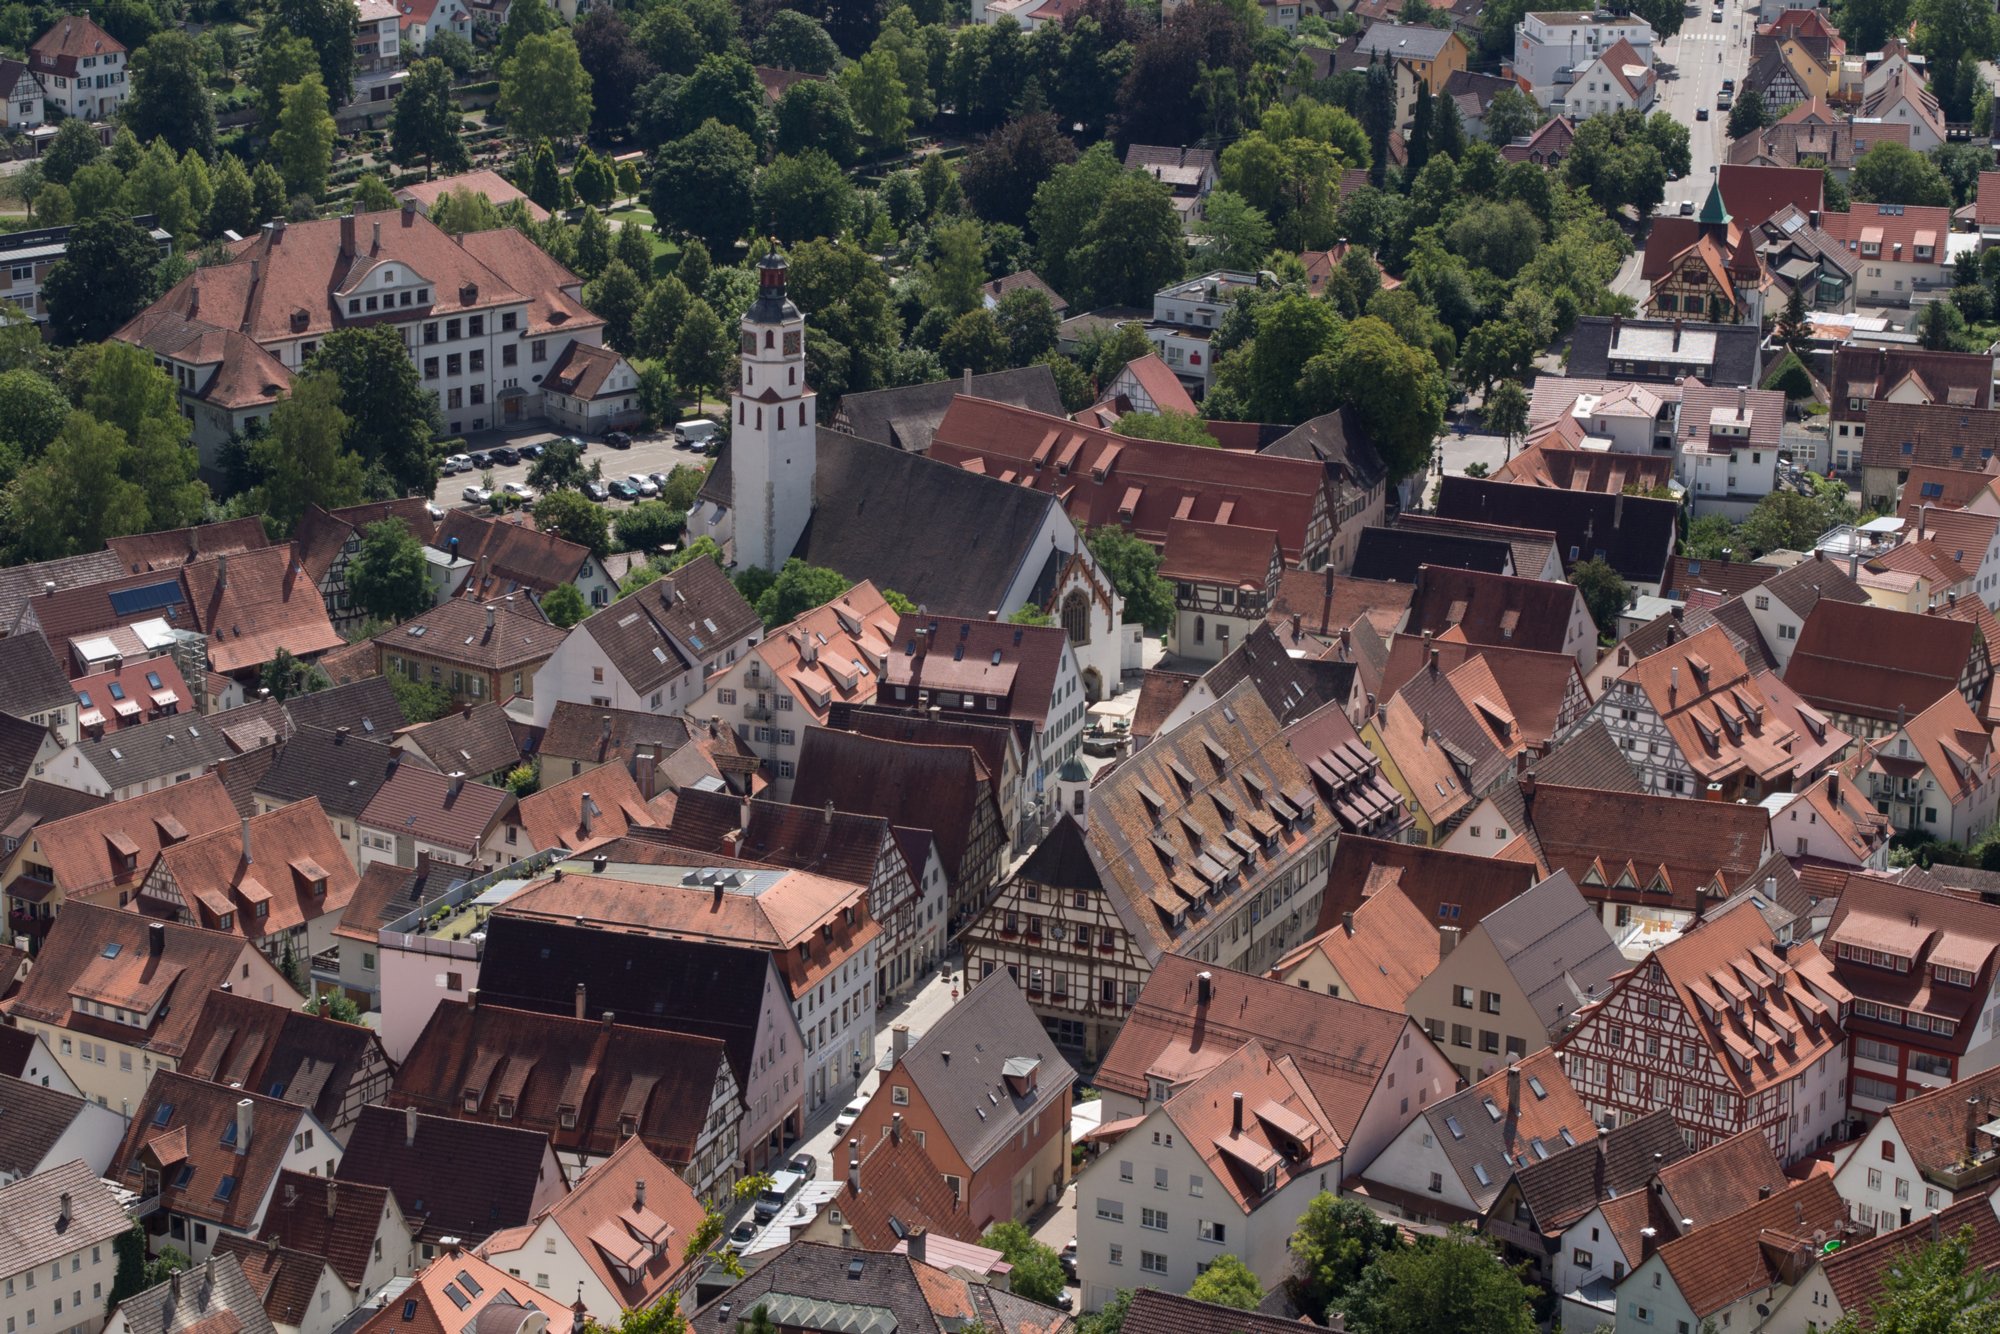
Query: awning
126	708
1110	1130
90	718
162	698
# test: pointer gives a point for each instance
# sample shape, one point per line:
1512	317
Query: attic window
472	1100
163	1115
567	1116
1492	1108
1457	1130
225	1188
1479	1171
112	948
410	1309
1535	1085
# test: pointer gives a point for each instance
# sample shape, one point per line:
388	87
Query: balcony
757	712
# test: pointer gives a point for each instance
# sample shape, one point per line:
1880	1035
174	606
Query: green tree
392	420
425	122
1184	428
420	701
544	91
700	353
1794	331
1604	593
1747	115
1708	537
389	576
1038	1271
1336	1240
1110	1318
1397	391
1133	247
1889	173
32	410
1790	377
796	40
805	196
1495	350
538	21
1118	349
702	186
302	458
1939	326
815	113
104	278
1290	332
127	391
76	495
74	148
1785	520
1134	568
574	517
1026	614
1029	323
457	212
616	294
1004	170
683	485
170	98
330	26
955	276
524	778
285	676
1228	1282
371	195
974	342
334	1004
1443	1285
798	588
874	88
1507	411
131	1277
648	525
1938	1289
303	141
560	466
283	58
593	179
268	188
564	604
1234	233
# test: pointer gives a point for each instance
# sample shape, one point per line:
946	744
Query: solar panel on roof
151	597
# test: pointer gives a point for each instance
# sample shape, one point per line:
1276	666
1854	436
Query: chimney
639	1193
347	236
1204	988
409	210
489	619
222	572
1649	1241
1677	335
1434	655
584	809
1347	922
1236	1114
580	991
1447	941
826	815
854	1166
377	249
645	771
1812	218
916	1244
1527	783
1972	1124
605	1020
1673	684
1763	1192
409	1127
62	1210
243	1109
156	938
341	733
1513	1092
1295	627
896	1128
967	382
332	1198
1326	602
992	615
457	783
1617	327
899	1042
472	998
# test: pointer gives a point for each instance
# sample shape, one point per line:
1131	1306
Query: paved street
1703	54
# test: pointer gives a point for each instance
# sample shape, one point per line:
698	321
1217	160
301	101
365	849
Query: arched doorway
1093	685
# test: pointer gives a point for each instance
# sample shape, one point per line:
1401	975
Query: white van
695	433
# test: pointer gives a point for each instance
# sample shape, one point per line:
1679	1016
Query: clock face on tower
749	343
792	341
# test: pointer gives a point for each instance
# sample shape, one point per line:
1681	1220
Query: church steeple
1714	213
772	445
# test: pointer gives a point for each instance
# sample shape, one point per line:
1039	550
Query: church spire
1714	213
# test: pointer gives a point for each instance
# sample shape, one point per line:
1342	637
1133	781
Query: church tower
772	446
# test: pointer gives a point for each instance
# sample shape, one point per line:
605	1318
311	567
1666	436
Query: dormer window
566	1116
472	1100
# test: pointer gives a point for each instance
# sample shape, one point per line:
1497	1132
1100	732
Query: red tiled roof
439	1303
490	636
309	1212
67	42
1214	553
128	695
497	188
1450	888
277	871
1932	1123
1141	485
424	804
1732	1257
1283	1128
583	811
1722	1178
144	552
1661	843
901	1188
190	1132
1392	947
255	603
1899	228
508	555
1858	1272
90	852
581	371
1875	662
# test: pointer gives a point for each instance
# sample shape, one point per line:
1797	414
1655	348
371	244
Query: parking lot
651	452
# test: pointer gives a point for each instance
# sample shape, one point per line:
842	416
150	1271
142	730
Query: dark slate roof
475	740
189	741
1395	555
1339	440
1291	687
37	802
283	1053
907	416
1062	859
32	1120
463	1179
957	1064
1635	533
925	787
1589	757
343	771
30	680
993	740
583	733
1590	351
713	991
368	706
20	740
948	540
824	841
22	583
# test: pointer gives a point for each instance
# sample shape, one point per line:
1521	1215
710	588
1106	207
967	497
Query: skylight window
153	680
1492	1108
1535	1085
1457	1130
225	1188
163	1114
112	949
1479	1170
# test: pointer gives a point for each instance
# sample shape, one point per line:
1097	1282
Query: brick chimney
347	235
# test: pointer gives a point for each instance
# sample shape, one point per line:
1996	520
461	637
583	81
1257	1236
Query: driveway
650	453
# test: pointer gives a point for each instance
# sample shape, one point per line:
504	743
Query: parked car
596	491
848	1116
772	1199
1701	113
1687	208
1729	85
482	460
436	512
806	1166
504	456
457	463
618	439
659	479
1069	1259
529	453
624	490
743	1231
695	433
643	484
1723	101
520	491
580	443
477	495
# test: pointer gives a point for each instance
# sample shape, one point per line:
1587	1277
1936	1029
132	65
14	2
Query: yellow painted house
1422	55
1418	766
